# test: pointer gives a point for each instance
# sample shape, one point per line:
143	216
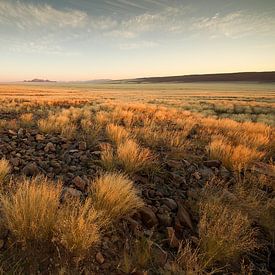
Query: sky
116	39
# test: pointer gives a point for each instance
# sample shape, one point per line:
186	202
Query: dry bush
189	261
60	124
139	255
31	211
102	117
91	130
107	158
131	157
5	168
116	133
27	119
225	233
255	202
121	116
77	228
233	157
115	196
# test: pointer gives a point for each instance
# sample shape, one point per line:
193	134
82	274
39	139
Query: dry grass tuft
115	196
107	157
131	157
77	227
225	233
30	212
233	157
116	133
5	168
27	119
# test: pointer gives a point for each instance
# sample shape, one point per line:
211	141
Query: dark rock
15	161
212	163
224	173
79	183
82	145
20	133
30	169
183	215
164	219
170	203
99	258
148	217
49	147
206	173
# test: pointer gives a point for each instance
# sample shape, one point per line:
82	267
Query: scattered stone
206	173
224	173
39	137
148	217
183	215
170	203
49	147
82	145
173	240
164	219
30	169
160	256
197	175
2	243
70	192
79	183
212	163
11	132
15	161
99	258
20	133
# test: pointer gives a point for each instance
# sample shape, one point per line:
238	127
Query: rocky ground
165	220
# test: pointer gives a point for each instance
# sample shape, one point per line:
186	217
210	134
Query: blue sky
92	39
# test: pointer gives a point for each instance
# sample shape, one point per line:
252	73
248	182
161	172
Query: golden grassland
131	128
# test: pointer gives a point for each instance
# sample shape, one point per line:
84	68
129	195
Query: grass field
137	178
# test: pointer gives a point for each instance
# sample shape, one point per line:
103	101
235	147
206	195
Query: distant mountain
95	81
39	80
221	77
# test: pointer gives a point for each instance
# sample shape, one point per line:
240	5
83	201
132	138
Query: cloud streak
146	29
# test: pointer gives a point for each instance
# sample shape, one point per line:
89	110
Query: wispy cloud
26	16
27	22
236	24
138	45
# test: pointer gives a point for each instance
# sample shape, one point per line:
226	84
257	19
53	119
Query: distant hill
39	80
221	77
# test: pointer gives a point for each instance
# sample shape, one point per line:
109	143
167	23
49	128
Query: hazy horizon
82	40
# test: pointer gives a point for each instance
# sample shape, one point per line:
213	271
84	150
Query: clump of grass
107	158
77	228
233	157
189	260
139	255
115	196
116	133
5	168
225	233
31	211
128	155
27	119
131	157
60	124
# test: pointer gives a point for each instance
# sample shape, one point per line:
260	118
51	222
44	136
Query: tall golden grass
114	196
5	169
30	212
